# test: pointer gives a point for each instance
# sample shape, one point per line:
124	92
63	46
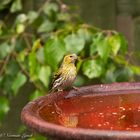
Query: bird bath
98	112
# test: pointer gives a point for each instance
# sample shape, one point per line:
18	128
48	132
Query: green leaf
109	75
40	55
4	107
120	59
4	4
124	74
80	80
74	43
6	80
46	26
78	65
22	56
63	16
20	28
5	49
135	69
44	75
32	16
124	44
36	45
16	6
21	18
54	51
33	66
103	47
11	71
84	34
18	82
36	94
93	46
48	8
115	43
92	68
12	68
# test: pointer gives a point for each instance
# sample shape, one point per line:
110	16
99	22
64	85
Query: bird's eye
70	56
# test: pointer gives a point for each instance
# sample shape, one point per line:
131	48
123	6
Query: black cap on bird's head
71	58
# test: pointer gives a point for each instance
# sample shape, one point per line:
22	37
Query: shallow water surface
108	112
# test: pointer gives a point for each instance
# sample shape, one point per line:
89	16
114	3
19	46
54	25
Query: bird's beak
76	57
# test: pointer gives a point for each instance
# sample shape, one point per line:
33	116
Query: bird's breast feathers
70	75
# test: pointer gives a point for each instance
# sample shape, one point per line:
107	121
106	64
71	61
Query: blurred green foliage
33	43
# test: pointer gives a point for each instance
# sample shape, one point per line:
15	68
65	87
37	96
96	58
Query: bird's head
71	58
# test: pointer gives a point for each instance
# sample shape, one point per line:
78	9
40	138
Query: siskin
66	74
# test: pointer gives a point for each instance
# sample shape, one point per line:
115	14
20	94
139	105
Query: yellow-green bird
66	74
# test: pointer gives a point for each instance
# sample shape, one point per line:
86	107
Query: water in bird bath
102	112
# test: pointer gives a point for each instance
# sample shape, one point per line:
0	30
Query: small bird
66	74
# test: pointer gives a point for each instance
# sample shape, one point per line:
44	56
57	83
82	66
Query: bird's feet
73	93
75	88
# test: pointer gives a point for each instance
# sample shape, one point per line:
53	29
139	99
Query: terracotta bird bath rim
32	119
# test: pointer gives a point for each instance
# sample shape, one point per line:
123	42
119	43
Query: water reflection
67	120
110	112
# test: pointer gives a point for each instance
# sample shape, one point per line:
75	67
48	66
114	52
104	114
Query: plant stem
5	64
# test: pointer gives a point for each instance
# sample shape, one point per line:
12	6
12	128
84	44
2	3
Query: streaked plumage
66	74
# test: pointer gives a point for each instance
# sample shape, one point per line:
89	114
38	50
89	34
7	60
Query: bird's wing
57	75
